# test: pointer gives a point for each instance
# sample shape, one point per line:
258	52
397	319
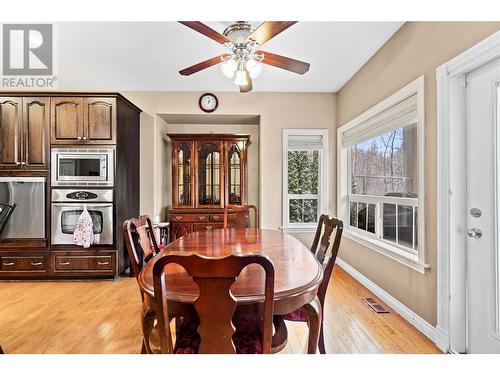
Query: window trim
323	180
344	173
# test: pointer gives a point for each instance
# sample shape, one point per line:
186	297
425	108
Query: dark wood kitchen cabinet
24	133
29	124
209	171
87	120
66	120
10	132
99	119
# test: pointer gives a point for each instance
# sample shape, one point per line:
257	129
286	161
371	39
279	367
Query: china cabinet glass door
209	175
234	174
183	175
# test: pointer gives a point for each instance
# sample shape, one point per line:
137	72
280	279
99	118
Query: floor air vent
378	308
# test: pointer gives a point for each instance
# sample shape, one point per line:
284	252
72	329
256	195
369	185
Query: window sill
389	251
299	230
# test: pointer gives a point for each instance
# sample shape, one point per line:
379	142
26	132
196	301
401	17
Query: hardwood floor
103	317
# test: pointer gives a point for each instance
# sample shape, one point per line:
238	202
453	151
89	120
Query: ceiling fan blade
269	29
296	66
204	64
205	30
248	87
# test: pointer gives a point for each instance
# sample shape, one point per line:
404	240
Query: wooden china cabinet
209	171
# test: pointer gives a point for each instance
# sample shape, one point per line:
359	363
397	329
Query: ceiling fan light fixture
254	68
241	78
228	68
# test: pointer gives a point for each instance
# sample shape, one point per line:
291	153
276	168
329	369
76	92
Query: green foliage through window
303	179
303	172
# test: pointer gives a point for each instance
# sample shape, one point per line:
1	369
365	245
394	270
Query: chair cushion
299	315
247	338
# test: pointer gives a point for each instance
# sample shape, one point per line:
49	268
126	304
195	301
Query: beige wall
276	110
417	48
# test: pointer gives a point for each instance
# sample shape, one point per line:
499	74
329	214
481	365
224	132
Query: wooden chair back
140	241
242	216
320	246
215	304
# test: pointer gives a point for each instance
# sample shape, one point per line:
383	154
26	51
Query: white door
483	184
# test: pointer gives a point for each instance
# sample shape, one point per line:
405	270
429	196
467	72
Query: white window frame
323	180
414	259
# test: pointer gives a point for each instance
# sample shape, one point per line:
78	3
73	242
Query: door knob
474	233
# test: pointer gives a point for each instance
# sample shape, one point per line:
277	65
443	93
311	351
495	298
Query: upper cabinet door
36	117
99	120
10	132
67	120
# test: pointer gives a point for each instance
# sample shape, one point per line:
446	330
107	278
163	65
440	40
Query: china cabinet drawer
190	217
203	227
20	263
220	217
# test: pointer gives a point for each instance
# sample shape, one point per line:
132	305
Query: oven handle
89	205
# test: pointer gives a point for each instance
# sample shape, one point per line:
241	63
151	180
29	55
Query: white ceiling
148	55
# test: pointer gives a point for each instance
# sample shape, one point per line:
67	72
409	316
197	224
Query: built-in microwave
82	166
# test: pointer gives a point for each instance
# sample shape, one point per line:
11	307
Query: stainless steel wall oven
67	206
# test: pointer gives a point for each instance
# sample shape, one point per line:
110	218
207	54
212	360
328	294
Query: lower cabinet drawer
202	227
102	263
22	263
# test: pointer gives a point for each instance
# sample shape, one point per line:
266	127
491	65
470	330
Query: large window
304	177
381	179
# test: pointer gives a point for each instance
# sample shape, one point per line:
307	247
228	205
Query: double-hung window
304	177
381	177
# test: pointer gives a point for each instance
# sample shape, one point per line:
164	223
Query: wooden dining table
297	274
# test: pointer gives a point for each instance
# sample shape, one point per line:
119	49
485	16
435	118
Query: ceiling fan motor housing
239	32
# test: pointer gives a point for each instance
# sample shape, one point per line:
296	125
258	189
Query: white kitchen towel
84	230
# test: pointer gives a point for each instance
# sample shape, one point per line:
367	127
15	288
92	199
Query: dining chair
319	248
141	245
215	329
6	211
140	241
242	214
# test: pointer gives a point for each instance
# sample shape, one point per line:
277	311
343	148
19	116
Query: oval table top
297	272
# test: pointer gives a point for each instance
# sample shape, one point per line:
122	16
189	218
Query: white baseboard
437	336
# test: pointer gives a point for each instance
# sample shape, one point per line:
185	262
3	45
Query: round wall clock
208	102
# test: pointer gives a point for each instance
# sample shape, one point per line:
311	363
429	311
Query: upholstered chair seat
247	338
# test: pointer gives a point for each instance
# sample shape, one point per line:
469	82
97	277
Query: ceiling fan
244	62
